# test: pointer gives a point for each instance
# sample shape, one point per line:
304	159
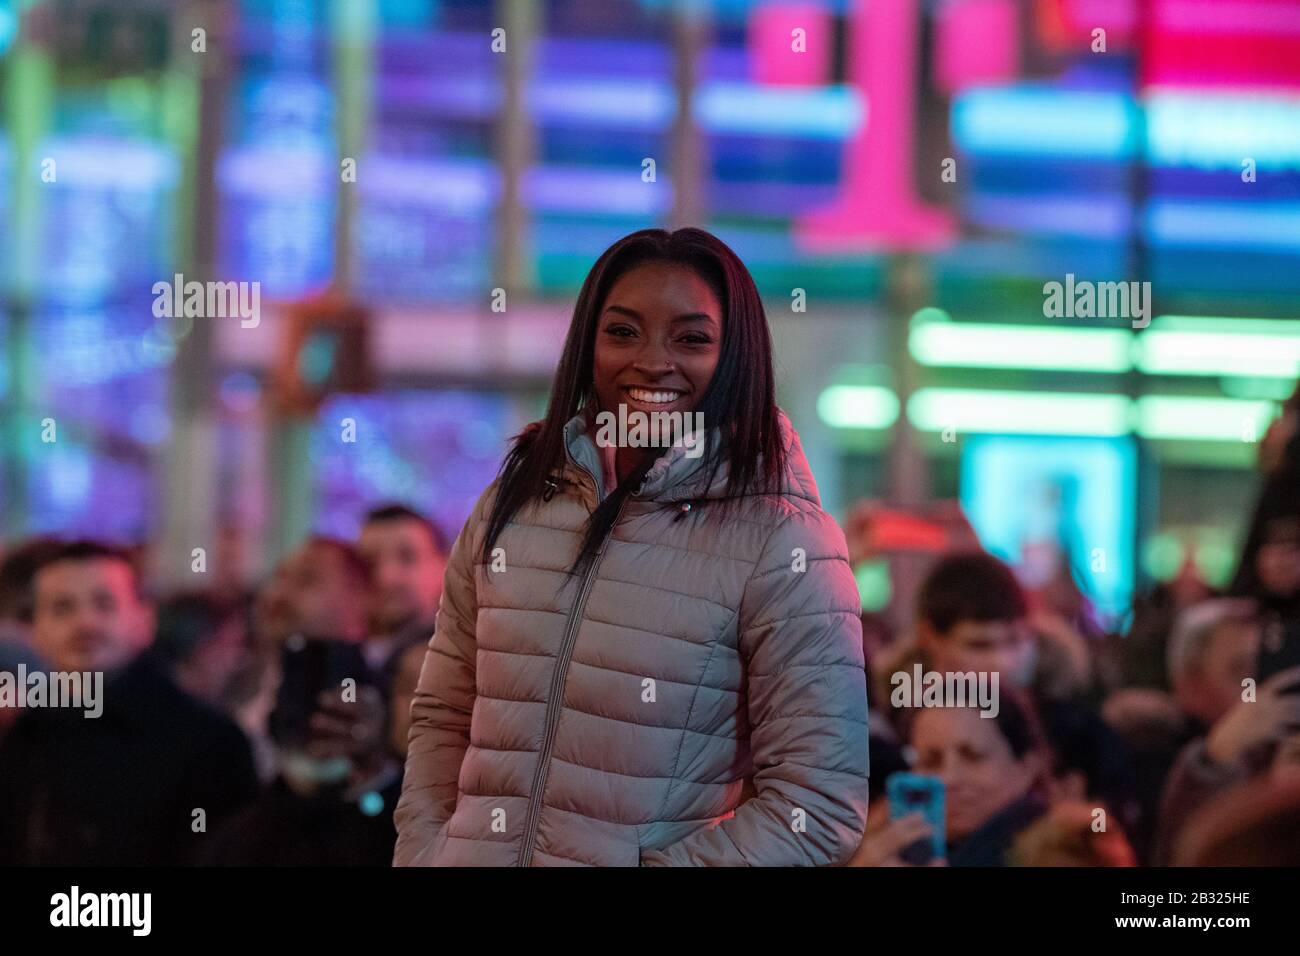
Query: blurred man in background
407	557
1213	648
1238	728
139	784
972	615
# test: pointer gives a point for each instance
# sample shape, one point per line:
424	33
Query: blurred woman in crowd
646	654
994	773
1269	570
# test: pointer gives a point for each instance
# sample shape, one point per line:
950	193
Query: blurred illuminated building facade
901	176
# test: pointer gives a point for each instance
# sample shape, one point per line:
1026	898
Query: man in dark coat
141	782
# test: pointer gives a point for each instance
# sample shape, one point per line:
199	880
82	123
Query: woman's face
1278	561
658	340
980	774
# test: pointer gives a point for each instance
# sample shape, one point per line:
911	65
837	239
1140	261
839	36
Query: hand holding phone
921	797
1279	650
1271	714
310	670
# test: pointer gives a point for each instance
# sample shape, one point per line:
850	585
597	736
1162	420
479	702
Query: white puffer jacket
697	697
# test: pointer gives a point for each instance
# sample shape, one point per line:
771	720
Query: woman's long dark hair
740	400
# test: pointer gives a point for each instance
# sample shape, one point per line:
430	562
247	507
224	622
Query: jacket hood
677	477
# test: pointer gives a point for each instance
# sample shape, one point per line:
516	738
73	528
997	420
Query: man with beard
407	556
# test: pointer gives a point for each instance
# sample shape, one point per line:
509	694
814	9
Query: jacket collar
676	477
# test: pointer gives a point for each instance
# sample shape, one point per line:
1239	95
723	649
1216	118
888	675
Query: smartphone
1279	650
917	793
307	669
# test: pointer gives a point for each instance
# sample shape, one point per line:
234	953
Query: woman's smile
655	399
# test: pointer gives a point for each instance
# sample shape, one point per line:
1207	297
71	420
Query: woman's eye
696	339
620	330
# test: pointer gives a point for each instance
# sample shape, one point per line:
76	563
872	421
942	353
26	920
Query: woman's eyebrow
623	310
684	317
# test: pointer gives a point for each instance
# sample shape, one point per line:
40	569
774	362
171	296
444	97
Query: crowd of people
270	728
236	729
1174	741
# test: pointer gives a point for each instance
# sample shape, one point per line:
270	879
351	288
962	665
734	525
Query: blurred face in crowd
312	593
1212	687
406	570
981	775
1003	646
1278	560
89	615
658	340
404	683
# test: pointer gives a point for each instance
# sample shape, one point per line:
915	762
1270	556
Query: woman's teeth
653	398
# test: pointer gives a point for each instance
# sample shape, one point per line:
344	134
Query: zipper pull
683	511
551	488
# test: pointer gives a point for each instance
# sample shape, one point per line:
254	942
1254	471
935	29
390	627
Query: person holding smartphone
646	654
991	777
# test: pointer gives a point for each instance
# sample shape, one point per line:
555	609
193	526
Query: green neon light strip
985	345
1202	419
1155	417
1019	413
858	406
1197	345
1173	345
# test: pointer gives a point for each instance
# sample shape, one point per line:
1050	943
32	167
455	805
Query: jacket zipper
555	700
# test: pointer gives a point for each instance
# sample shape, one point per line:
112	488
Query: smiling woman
658	661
